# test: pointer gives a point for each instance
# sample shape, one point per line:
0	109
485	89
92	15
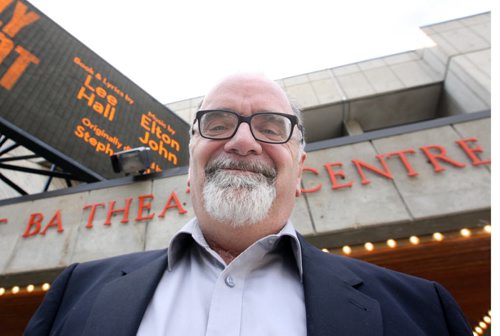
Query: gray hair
298	112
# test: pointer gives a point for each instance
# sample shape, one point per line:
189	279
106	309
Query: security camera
132	161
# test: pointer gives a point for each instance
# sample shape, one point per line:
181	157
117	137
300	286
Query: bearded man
239	267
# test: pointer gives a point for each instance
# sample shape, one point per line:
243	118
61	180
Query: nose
243	143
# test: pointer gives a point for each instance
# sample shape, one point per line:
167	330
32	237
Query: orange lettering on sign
12	75
34	225
441	155
20	19
142	206
99	147
154	167
4	4
56	221
92	207
154	126
404	160
333	175
385	172
173	202
318	187
108	110
6	46
112	211
471	151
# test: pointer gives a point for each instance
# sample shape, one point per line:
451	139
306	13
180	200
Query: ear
298	186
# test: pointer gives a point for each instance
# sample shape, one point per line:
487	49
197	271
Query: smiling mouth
240	168
241	171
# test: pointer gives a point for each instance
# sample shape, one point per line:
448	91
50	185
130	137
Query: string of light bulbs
413	240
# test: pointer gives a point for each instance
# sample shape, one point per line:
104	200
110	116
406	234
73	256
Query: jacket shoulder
377	273
405	301
355	271
126	261
73	293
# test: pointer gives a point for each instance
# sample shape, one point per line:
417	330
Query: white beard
239	198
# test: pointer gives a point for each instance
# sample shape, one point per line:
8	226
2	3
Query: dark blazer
343	297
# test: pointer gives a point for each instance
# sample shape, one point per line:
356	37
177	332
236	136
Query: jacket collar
334	305
191	232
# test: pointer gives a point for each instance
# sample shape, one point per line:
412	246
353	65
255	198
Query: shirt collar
191	232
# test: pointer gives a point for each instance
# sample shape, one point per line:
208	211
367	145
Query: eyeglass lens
268	127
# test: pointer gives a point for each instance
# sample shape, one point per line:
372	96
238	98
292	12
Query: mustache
252	166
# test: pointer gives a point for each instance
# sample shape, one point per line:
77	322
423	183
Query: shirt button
230	281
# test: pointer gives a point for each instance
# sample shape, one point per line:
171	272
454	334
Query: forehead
247	96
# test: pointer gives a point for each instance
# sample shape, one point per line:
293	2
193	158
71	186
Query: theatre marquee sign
56	91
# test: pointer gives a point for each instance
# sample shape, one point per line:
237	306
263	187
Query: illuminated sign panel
59	91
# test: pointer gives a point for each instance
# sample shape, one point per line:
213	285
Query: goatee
239	198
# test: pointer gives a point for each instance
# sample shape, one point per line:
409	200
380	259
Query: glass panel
218	124
271	127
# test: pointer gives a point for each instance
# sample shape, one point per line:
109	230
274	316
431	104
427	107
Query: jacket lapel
333	304
121	304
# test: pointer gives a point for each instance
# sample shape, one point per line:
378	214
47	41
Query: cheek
287	168
201	152
288	165
197	171
284	158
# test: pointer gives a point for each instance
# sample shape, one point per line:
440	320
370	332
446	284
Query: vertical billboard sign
58	91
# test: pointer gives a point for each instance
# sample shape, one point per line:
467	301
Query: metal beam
17	158
12	185
47	184
8	149
51	154
3	139
39	171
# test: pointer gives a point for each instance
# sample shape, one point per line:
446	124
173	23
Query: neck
229	241
227	255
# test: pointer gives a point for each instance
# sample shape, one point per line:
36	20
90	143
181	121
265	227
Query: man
239	267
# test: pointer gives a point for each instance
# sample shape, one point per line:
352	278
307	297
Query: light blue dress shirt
259	293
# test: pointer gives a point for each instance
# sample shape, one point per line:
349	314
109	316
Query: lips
240	171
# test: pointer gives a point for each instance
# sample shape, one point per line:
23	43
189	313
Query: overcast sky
176	49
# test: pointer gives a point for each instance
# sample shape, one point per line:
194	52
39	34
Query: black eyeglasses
268	127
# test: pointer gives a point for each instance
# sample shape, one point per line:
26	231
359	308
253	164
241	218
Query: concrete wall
462	55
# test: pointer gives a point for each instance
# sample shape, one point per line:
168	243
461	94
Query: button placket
224	316
230	281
